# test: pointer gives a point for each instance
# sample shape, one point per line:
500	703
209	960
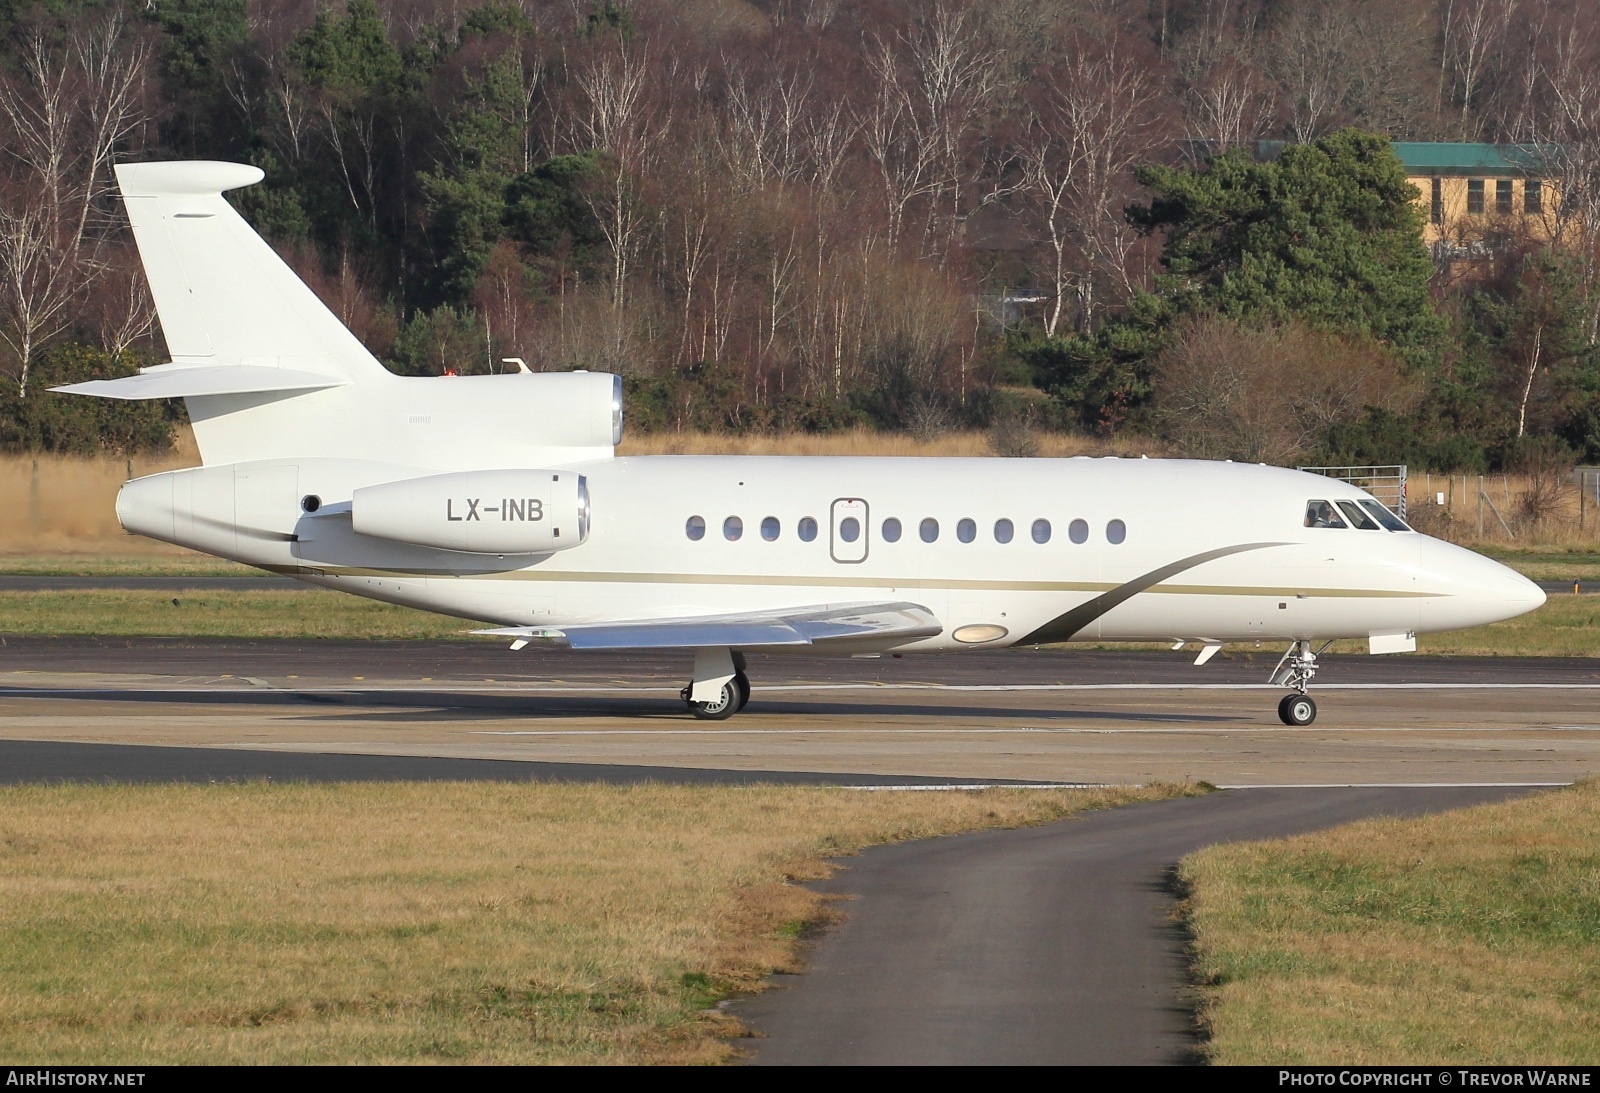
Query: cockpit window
1357	517
1320	514
1388	519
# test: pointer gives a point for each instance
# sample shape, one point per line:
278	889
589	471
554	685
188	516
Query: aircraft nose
1472	590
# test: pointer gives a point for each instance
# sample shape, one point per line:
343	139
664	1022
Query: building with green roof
1472	192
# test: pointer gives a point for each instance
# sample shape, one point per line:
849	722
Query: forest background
811	215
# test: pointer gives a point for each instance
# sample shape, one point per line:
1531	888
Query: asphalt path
1048	945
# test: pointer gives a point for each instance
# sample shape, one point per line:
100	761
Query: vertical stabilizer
223	295
269	373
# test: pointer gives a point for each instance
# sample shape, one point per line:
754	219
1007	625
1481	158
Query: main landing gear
1296	669
720	688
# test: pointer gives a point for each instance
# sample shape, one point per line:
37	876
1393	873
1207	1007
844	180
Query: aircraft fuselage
1001	551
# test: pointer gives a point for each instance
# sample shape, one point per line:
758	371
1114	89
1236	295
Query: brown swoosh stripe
1064	627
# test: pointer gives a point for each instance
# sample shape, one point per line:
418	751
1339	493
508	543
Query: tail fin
223	295
269	373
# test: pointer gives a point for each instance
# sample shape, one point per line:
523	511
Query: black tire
1297	710
726	704
742	681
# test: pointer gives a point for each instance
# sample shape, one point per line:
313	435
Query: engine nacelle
478	512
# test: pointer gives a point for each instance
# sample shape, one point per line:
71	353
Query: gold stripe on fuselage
572	577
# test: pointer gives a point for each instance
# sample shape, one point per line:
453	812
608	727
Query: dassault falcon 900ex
500	497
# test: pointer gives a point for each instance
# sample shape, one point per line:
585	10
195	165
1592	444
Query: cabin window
1116	532
1041	531
732	528
891	530
929	530
849	529
1533	196
1320	514
1502	196
695	528
1357	517
806	529
1436	210
966	530
1078	531
1475	196
769	529
1003	530
1388	519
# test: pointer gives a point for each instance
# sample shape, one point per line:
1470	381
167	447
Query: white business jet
501	498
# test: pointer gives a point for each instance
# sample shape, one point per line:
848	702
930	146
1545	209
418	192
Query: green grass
424	923
1551	564
1467	937
298	611
187	564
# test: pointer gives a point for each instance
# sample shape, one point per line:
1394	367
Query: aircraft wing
794	626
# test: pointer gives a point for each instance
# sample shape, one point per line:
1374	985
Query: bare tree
63	116
1569	141
1311	59
766	135
898	140
932	85
1474	33
122	302
1218	398
1092	125
1387	57
957	70
1225	96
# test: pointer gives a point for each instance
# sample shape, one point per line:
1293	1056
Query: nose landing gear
1297	669
1297	710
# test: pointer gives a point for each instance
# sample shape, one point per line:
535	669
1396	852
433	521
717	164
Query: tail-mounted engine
337	511
478	512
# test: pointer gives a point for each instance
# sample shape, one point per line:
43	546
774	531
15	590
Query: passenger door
849	530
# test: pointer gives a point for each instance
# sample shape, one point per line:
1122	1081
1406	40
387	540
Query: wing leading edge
797	626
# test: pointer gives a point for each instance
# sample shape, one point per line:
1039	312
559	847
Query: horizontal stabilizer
184	381
798	626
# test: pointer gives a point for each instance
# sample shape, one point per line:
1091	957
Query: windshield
1357	517
1388	519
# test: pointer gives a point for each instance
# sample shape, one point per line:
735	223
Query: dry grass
67	504
438	922
871	442
1542	511
1467	937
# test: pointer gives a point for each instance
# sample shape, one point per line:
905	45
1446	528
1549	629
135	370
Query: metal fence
1387	484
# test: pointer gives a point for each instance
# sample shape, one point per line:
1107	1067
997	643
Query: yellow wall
1459	226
